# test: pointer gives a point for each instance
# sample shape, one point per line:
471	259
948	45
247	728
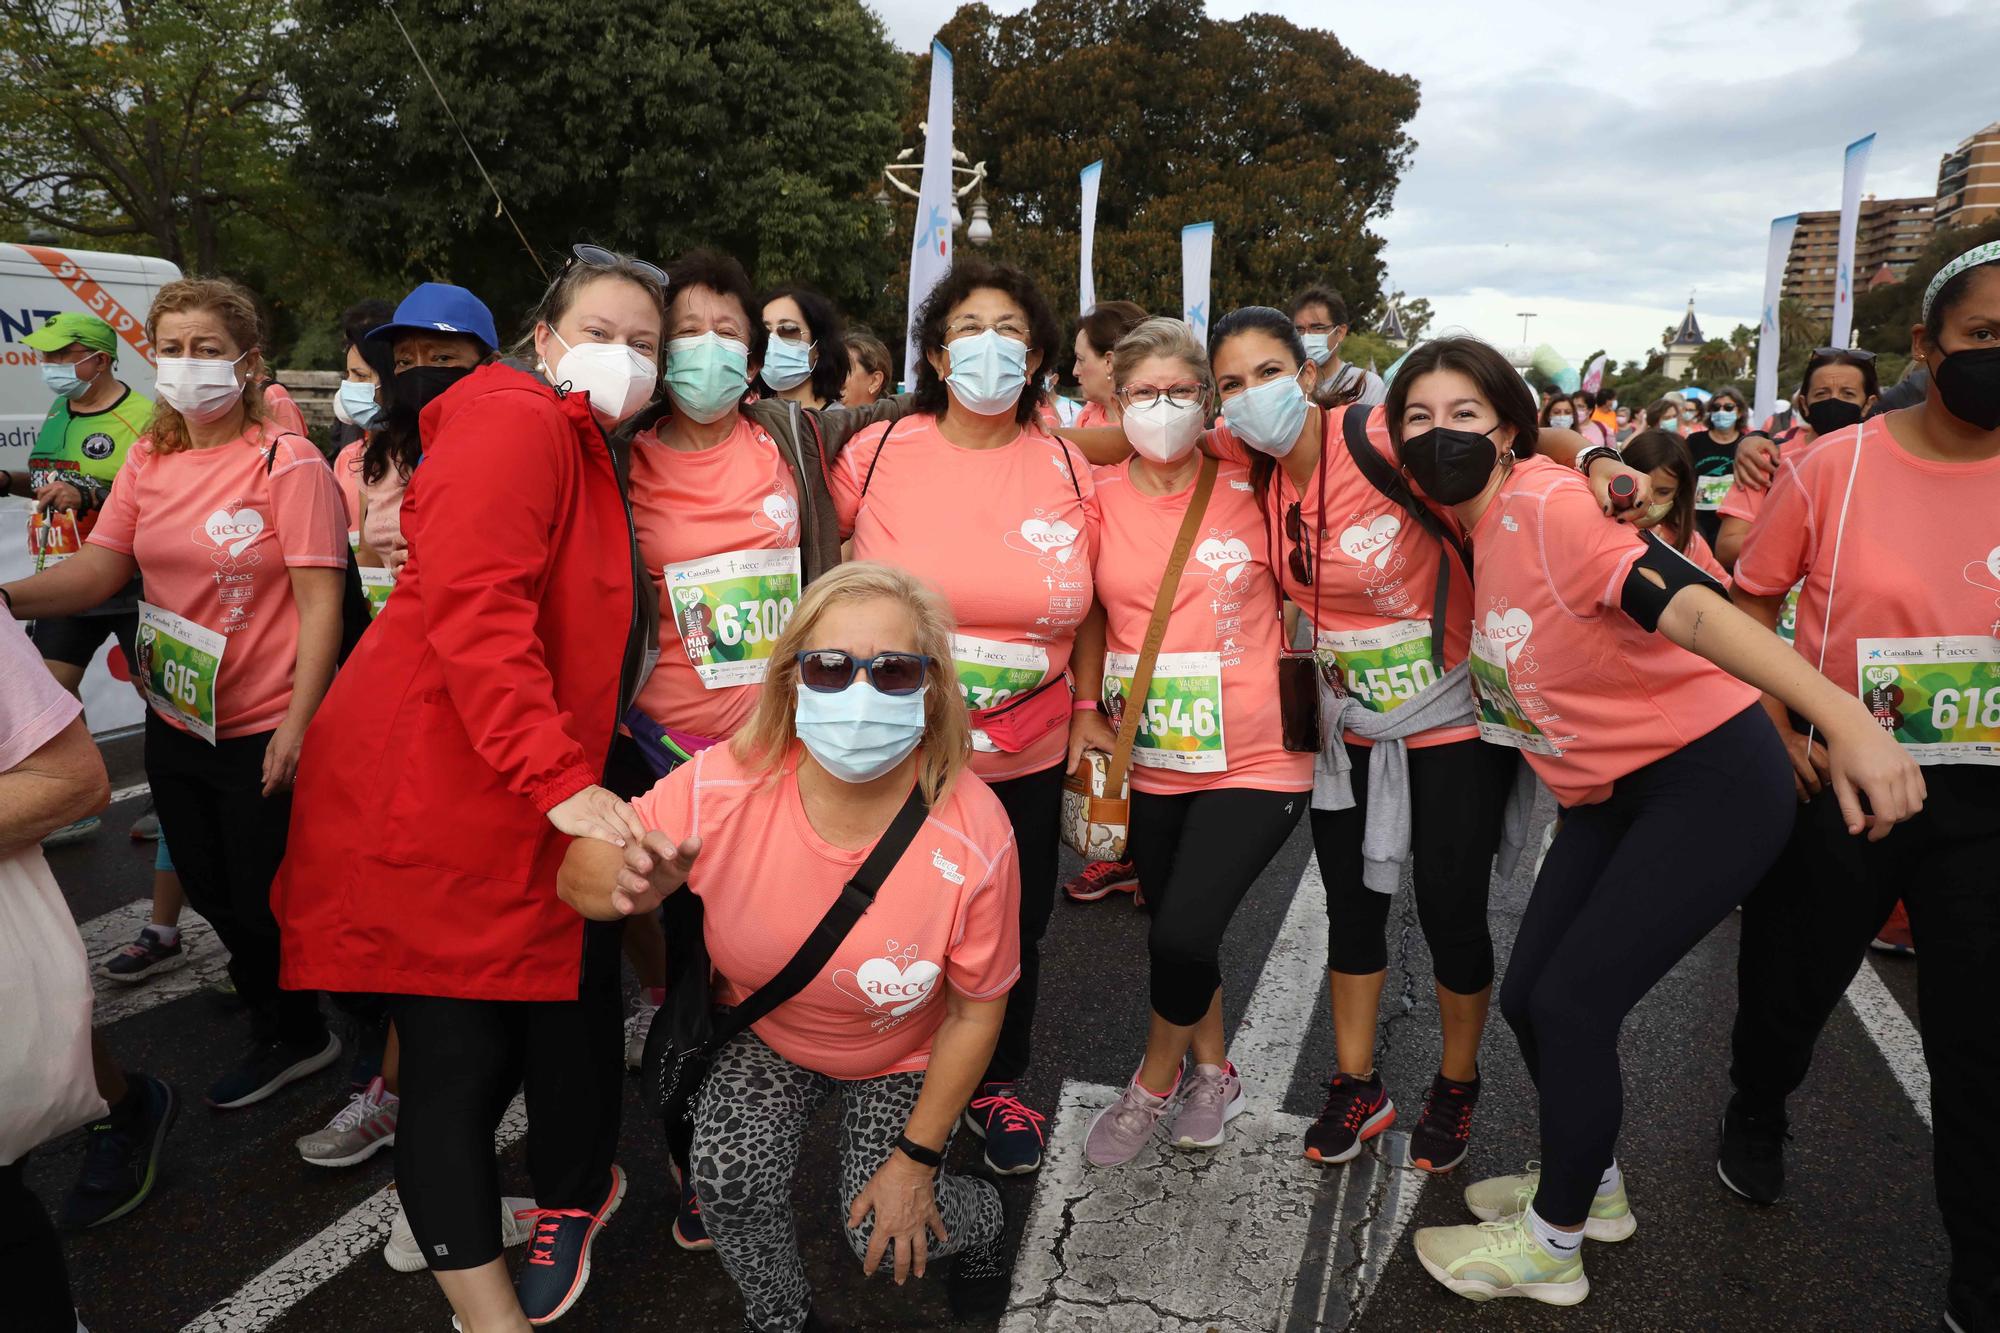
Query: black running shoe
1356	1110
122	1158
1444	1130
269	1066
1751	1160
977	1287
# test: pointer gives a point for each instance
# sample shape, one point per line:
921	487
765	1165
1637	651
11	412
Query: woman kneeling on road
766	831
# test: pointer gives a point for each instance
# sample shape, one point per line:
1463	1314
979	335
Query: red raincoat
420	860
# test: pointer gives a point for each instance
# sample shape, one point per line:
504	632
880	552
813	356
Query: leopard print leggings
749	1128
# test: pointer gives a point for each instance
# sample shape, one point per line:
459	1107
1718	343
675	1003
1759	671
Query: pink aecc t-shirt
949	911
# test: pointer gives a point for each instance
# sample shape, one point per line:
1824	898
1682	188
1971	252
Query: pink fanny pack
1017	724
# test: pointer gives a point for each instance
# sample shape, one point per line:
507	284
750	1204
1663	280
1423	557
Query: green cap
73	326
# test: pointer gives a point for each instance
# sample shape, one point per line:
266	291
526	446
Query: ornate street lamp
967	178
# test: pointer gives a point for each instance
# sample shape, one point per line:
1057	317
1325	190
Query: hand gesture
1089	730
902	1196
654	867
1756	462
1871	762
1602	470
59	495
596	813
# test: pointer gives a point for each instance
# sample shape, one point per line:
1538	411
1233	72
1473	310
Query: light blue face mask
356	399
63	381
860	733
1268	417
1319	347
706	375
988	372
1724	420
787	364
1561	420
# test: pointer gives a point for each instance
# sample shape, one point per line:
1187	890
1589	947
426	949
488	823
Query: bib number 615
179	682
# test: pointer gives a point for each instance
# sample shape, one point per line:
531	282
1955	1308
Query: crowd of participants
666	637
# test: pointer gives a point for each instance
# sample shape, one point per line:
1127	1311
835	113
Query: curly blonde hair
767	737
232	303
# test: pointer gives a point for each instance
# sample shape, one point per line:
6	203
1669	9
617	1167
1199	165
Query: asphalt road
242	1235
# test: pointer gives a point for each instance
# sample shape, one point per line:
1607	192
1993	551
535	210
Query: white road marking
1894	1035
127	793
207	961
361	1230
1249	1236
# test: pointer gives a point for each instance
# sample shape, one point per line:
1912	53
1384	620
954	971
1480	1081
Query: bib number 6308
755	621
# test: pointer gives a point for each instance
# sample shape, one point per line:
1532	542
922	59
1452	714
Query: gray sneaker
1122	1128
362	1128
1211	1097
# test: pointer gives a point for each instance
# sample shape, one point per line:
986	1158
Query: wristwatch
1593	453
918	1153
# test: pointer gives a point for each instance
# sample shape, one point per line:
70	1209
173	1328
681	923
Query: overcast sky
1597	162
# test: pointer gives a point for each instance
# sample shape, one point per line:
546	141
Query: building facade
1968	188
1888	232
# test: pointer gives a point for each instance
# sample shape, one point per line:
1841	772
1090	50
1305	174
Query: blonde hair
767	737
230	302
1158	336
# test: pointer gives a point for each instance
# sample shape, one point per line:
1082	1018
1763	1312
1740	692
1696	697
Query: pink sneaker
1211	1099
1122	1128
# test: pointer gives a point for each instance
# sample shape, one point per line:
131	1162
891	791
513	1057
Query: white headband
1973	258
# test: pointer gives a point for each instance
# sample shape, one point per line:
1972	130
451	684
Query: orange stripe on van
96	300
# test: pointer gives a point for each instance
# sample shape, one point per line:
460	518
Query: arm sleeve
1222	443
1741	502
1585	555
33	708
1698	551
312	519
985	956
1779	549
278	403
480	516
119	518
668	805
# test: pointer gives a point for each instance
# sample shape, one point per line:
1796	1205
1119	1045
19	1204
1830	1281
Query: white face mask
1163	431
200	388
619	380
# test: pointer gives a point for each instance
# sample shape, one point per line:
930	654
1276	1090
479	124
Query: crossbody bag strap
1384	478
881	446
855	898
1156	629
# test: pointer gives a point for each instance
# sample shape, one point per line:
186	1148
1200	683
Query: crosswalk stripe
1894	1035
207	961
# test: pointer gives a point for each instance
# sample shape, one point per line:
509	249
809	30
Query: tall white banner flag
1086	278
1197	248
1766	401
1850	214
930	247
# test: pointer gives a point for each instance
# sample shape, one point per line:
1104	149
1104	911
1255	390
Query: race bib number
178	665
376	585
1384	667
730	609
1180	724
53	537
1940	698
990	673
1708	491
1501	718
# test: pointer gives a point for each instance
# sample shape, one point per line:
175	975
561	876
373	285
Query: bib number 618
1975	707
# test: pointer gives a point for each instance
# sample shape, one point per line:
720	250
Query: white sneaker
404	1256
636	1027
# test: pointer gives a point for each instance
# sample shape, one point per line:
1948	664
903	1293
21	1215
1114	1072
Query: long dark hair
1651	449
826	328
1275	324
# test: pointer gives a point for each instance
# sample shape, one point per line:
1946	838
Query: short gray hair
1158	336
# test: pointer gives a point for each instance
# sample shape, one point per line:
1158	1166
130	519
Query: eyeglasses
1304	555
596	256
830	670
969	326
1180	395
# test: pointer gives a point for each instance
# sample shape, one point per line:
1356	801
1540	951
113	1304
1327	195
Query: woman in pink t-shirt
900	1022
1839	388
973	496
1647	740
236	528
1214	791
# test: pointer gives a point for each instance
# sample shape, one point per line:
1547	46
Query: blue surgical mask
706	375
1268	417
1561	420
988	372
354	402
859	733
1319	347
1669	424
1722	420
63	381
787	364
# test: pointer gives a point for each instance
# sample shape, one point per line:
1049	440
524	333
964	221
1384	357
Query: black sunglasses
596	256
1304	555
830	670
1858	353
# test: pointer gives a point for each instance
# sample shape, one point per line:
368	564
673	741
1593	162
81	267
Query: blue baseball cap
439	307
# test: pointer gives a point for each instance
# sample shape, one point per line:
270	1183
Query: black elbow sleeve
1646	601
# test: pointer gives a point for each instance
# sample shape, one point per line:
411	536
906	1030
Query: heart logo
1882	675
1044	538
781	510
1219	555
1511	630
1993	562
881	983
234	532
1372	543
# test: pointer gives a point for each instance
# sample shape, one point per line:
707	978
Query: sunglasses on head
596	256
830	670
1858	353
1303	555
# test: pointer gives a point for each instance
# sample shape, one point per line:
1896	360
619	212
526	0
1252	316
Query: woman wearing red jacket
460	749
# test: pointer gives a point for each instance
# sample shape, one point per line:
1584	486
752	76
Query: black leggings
1630	885
227	839
38	1295
1034	807
1458	793
1197	854
462	1061
1805	932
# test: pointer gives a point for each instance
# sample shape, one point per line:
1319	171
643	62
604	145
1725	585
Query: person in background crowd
1890	524
1665	414
1211	804
1838	389
83	442
1671	511
1626	429
805	353
1642	736
869	369
1694	415
1320	317
1097	333
765	831
1713	450
1559	411
490	686
359	410
235	527
1604	414
973	495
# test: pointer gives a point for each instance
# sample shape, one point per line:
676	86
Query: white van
37	281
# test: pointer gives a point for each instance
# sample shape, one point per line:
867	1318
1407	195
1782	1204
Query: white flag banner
1086	278
930	247
1850	215
1766	398
1593	374
1197	248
